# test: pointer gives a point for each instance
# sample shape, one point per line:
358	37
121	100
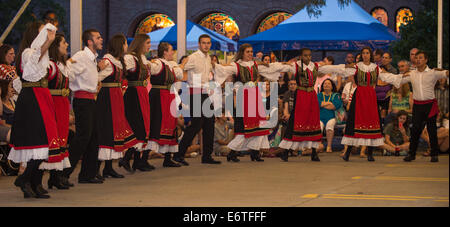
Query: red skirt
254	113
123	135
145	107
304	124
48	111
366	116
168	121
62	109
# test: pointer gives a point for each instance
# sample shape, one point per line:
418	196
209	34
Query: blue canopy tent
193	31
347	27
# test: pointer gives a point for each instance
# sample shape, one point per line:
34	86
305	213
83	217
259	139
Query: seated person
223	134
442	134
397	134
401	99
329	102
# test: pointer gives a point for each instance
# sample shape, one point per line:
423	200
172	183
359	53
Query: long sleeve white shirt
423	83
199	69
85	75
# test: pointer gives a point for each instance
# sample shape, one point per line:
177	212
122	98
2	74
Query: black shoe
27	191
434	159
409	158
232	156
315	158
170	164
112	173
126	165
180	160
370	158
90	181
254	156
42	196
40	190
211	161
346	156
99	177
57	184
19	181
65	181
284	155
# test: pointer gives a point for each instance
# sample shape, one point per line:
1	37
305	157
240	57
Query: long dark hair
370	51
31	32
333	90
135	48
3	51
115	48
395	120
53	50
241	51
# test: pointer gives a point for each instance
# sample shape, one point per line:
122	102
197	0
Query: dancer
34	133
113	131
137	106
58	83
363	126
249	134
425	109
163	122
83	84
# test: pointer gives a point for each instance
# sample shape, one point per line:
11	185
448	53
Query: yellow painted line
412	179
414	165
382	196
356	178
356	198
440	201
310	196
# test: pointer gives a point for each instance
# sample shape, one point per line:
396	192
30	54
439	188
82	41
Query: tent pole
440	35
225	57
181	28
15	19
76	25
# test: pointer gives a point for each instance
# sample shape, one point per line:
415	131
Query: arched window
154	22
404	16
381	15
222	24
273	20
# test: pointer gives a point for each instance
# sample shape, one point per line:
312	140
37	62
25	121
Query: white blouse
156	67
272	73
423	83
109	69
34	67
347	72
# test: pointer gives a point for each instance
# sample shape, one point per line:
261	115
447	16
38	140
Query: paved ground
298	183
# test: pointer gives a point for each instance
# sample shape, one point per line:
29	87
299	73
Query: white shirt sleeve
336	70
390	78
178	71
155	67
221	72
78	67
273	71
35	67
130	62
190	64
17	85
105	72
439	74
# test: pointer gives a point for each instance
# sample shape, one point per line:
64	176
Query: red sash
434	108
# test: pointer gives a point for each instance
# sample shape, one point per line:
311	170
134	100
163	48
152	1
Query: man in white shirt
425	109
199	68
84	86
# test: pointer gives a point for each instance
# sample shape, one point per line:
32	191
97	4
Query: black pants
84	143
198	123
420	119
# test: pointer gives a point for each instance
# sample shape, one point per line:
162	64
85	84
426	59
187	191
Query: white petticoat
139	146
26	155
108	154
362	142
292	145
56	166
154	146
240	143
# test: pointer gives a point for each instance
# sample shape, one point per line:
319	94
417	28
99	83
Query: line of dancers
113	124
